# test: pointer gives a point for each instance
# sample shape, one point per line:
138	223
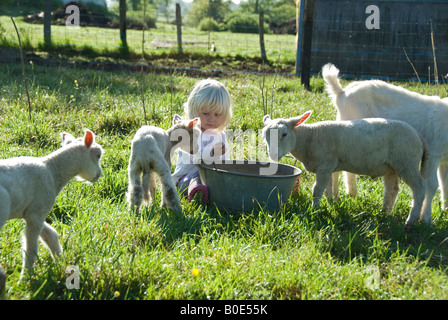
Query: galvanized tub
237	185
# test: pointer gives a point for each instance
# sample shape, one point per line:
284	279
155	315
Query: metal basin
237	185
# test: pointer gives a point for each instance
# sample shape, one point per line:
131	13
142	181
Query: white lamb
151	152
373	147
427	114
29	186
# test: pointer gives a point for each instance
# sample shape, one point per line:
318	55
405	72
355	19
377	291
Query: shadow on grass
359	229
347	229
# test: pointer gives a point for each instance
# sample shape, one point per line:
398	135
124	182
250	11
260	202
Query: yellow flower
76	81
116	294
195	272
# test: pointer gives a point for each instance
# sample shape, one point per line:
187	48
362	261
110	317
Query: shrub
208	24
245	23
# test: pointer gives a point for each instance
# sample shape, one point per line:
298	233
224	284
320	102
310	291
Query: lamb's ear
66	138
302	118
176	119
89	138
267	119
193	122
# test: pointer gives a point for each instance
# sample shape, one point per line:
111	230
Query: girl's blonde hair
210	95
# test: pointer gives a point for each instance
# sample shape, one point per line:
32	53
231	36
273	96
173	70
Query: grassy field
280	49
348	249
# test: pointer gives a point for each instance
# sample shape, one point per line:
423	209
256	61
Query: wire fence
396	40
399	40
161	36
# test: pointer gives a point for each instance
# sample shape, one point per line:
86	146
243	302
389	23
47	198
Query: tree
276	11
164	8
282	11
215	9
255	6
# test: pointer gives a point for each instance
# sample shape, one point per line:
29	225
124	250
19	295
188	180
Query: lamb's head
184	134
88	152
279	134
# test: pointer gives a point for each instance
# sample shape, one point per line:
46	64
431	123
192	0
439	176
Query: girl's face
210	119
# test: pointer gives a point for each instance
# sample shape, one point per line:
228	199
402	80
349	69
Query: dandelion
116	294
195	272
76	81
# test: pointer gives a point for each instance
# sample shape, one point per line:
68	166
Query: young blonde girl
211	102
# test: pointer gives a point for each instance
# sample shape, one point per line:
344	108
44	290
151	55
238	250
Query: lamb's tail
330	74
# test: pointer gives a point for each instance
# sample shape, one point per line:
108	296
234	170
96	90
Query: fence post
261	31
123	43
179	27
299	34
307	39
47	23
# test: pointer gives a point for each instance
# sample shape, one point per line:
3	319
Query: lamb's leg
418	187
4	213
350	184
134	195
170	197
329	188
432	185
146	178
322	179
152	185
391	190
443	181
51	238
33	228
335	184
4	207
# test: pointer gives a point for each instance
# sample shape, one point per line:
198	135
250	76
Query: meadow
280	48
348	249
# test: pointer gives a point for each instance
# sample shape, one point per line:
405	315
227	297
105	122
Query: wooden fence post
299	34
47	23
179	27
261	32
307	40
123	43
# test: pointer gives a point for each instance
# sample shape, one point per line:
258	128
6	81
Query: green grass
348	249
103	44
